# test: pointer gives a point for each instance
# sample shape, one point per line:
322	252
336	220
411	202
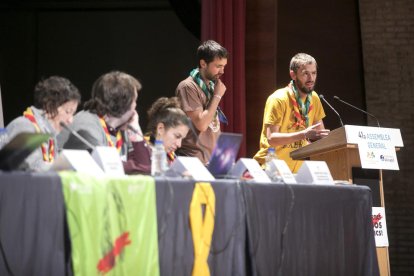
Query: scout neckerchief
119	140
171	157
51	147
195	74
300	110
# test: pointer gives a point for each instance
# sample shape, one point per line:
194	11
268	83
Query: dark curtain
189	13
224	22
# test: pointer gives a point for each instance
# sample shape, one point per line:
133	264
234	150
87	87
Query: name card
250	165
191	166
109	160
380	226
281	169
314	172
76	160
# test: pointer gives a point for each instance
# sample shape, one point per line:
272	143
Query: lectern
340	151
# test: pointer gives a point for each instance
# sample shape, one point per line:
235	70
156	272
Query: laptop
224	154
19	148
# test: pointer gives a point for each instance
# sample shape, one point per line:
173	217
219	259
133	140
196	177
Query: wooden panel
383	261
260	65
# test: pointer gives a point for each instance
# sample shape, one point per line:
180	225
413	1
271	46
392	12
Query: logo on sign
376	222
387	158
370	155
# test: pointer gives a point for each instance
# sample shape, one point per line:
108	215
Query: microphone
353	106
334	110
77	135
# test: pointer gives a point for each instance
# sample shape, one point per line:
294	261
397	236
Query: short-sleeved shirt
279	112
193	99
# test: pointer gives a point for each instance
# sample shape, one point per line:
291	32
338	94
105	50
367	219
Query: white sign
109	160
376	146
380	226
378	155
355	134
254	169
281	169
191	166
314	172
76	160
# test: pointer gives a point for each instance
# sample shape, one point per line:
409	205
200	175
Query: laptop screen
224	154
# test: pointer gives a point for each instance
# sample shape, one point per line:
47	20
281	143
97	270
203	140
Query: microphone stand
83	140
357	108
334	110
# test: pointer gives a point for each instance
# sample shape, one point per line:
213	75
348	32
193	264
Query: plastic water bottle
273	174
3	137
158	159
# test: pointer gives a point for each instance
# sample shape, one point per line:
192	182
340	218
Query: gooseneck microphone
357	108
334	110
77	135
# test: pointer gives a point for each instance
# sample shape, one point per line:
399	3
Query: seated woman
168	123
55	100
106	118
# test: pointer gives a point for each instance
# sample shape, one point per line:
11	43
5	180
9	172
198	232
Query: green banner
112	223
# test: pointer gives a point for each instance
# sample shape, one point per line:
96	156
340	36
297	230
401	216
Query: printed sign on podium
376	146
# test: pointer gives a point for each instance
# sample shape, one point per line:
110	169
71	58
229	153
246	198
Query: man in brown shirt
200	95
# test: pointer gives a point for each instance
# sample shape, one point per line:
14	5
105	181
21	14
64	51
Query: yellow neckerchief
51	147
119	140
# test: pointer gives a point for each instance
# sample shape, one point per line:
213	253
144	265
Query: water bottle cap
271	150
158	142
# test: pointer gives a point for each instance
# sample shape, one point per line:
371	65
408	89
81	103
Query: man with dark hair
293	115
200	95
105	120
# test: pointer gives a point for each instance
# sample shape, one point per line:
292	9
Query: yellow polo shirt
279	112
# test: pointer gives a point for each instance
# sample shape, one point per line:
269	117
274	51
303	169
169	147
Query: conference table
259	229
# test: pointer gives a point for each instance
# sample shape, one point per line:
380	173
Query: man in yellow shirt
293	115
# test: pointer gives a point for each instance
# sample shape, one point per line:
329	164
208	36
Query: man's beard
302	88
211	77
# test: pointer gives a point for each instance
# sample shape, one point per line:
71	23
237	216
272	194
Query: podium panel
340	151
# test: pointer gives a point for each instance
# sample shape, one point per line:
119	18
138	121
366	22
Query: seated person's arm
139	157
